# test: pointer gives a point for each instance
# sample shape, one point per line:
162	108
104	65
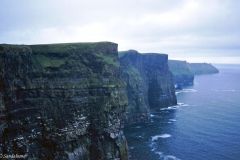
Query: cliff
202	68
62	101
183	76
149	83
183	72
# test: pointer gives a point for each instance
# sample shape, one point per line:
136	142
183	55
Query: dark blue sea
205	125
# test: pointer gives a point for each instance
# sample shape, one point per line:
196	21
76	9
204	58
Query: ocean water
205	125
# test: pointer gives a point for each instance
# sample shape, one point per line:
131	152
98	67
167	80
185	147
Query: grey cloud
177	27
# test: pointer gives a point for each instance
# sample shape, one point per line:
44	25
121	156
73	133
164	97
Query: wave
131	148
155	138
177	92
152	115
170	157
170	108
140	137
175	107
153	146
189	90
183	104
159	153
186	91
172	120
138	127
162	156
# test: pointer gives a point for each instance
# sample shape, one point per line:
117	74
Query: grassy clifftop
55	55
179	67
184	72
203	68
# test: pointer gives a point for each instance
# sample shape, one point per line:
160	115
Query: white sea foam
175	107
154	138
141	137
131	147
177	92
185	91
172	120
180	104
153	146
170	157
159	153
152	115
183	104
163	109
189	90
170	108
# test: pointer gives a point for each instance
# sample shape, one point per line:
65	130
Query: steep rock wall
62	101
149	83
182	73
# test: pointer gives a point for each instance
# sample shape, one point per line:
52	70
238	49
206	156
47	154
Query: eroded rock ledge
62	101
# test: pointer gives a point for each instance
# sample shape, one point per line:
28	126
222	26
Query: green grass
49	61
179	67
107	59
64	48
53	55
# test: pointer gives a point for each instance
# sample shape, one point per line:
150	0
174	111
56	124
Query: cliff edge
182	73
62	101
149	83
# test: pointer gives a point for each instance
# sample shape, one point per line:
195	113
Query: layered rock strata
62	101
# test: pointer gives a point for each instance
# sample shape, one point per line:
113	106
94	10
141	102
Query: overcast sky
195	30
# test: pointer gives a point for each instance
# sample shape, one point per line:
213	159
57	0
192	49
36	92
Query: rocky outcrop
203	68
182	73
62	101
149	83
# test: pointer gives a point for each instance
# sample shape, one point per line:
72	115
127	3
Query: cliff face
202	68
62	101
149	83
182	73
